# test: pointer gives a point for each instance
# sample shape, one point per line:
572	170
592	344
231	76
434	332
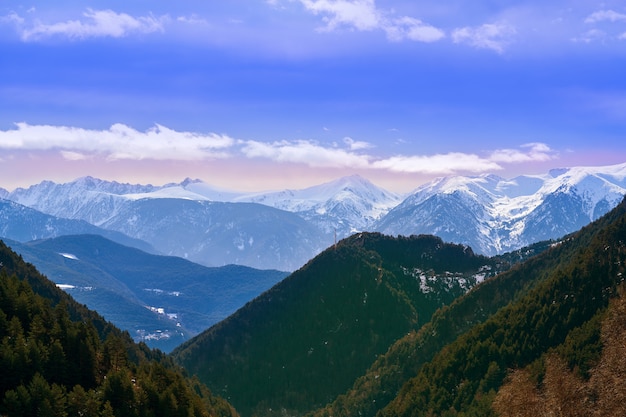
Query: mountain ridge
488	213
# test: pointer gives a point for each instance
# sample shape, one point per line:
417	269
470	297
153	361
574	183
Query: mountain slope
58	358
494	215
454	362
346	205
304	341
180	222
22	223
161	300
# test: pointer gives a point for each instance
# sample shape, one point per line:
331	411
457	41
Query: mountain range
547	333
284	229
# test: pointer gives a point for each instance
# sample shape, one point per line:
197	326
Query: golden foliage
562	393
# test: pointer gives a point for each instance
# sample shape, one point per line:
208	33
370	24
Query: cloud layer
498	31
121	142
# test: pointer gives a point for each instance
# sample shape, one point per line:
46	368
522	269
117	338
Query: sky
261	95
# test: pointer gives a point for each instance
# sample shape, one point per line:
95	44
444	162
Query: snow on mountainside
494	215
347	205
489	213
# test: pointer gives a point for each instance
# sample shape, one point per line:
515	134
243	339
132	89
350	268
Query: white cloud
118	142
592	35
412	29
192	20
494	36
12	18
363	15
356	145
439	164
537	152
121	142
359	14
74	156
95	23
305	152
605	15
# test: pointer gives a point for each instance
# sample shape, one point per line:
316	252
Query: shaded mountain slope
160	299
304	341
58	358
21	223
455	363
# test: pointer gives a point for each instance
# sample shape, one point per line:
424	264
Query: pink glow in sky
287	94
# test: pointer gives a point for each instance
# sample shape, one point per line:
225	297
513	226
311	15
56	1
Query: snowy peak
345	205
493	215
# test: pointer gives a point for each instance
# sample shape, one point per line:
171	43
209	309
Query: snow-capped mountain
347	205
284	229
494	215
277	230
179	220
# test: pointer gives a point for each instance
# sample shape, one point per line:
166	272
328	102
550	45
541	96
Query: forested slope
58	358
456	363
300	344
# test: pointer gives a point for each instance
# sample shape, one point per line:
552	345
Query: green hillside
300	344
456	363
58	358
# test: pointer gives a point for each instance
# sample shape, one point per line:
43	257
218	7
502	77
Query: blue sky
257	95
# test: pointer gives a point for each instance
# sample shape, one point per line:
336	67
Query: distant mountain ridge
284	229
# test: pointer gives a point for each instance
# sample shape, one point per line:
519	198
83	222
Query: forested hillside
300	344
455	365
58	358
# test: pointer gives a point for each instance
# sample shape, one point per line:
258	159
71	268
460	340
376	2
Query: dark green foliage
455	363
123	280
303	342
58	358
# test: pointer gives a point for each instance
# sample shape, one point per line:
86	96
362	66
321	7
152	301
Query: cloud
439	164
537	152
118	142
592	35
12	18
305	152
603	29
412	29
356	145
495	36
605	15
94	24
121	142
363	15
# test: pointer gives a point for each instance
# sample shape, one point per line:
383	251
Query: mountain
21	223
215	227
551	304
58	358
160	300
304	341
345	206
494	215
179	222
